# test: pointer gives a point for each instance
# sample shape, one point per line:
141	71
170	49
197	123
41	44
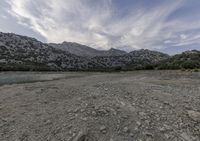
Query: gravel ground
126	106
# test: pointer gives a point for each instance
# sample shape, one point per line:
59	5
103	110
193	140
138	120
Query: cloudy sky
166	25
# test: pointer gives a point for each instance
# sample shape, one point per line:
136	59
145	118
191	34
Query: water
28	77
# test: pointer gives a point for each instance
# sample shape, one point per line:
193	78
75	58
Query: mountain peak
86	51
191	52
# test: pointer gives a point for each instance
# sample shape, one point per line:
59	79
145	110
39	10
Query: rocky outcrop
85	51
25	53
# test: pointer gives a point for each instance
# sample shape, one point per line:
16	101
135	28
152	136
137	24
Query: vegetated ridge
25	53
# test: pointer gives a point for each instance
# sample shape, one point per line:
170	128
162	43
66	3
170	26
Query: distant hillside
25	53
139	59
82	50
186	60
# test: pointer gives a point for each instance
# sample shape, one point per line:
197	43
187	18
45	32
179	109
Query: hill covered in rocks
25	53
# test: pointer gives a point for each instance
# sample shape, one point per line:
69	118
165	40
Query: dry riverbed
126	106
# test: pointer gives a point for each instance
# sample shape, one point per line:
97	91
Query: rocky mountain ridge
25	53
85	51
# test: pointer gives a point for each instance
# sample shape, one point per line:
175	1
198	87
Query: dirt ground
126	106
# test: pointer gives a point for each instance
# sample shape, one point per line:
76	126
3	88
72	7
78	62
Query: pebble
103	129
94	113
82	110
162	129
186	137
142	114
167	136
131	134
84	119
138	123
194	115
48	122
166	102
148	134
125	129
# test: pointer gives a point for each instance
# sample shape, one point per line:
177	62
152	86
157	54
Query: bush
189	64
149	67
118	68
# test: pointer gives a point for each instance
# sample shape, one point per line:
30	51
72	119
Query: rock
47	122
82	110
125	116
149	134
94	113
186	137
162	129
131	134
142	114
71	118
138	123
84	119
167	136
114	113
102	111
194	115
166	102
84	136
103	129
147	122
125	129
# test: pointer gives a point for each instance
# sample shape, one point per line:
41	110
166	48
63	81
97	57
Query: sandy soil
131	106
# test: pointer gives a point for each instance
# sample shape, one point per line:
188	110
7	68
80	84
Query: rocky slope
24	53
186	60
82	50
139	59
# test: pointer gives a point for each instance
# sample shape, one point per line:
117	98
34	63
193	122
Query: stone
149	134
103	129
167	136
84	119
47	122
166	102
125	129
162	129
186	137
138	123
94	113
142	114
131	134
82	110
194	115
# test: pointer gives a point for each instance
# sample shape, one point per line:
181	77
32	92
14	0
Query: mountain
186	60
113	52
139	59
25	53
82	50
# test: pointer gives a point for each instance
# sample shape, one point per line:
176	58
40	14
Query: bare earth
127	106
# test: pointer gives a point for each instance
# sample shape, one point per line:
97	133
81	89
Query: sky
170	26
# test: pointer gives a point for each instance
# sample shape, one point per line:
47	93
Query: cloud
97	23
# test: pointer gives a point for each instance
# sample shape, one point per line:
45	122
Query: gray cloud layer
98	23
